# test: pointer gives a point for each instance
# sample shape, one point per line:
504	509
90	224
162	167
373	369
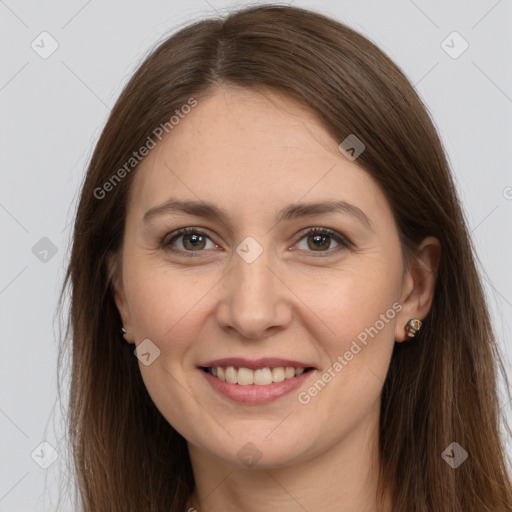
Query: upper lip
254	364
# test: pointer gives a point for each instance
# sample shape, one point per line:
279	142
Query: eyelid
341	239
165	243
325	231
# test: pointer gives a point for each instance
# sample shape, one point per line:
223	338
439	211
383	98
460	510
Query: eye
192	241
317	240
320	240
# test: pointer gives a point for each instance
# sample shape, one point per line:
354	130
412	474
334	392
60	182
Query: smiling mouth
260	377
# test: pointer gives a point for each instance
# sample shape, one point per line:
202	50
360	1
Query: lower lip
252	393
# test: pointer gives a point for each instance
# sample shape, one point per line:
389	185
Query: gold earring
413	326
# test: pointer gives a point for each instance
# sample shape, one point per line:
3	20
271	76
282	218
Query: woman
269	224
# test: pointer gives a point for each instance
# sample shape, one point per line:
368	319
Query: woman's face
251	288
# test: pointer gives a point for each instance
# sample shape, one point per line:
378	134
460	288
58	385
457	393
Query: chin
255	452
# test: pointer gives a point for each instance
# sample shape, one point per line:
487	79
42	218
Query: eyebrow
289	212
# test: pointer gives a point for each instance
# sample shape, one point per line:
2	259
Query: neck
340	478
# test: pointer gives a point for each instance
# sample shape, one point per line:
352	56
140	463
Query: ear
115	278
418	285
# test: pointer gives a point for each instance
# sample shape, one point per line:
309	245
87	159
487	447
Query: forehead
241	148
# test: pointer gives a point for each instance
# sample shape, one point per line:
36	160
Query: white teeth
260	377
245	376
231	375
289	373
277	374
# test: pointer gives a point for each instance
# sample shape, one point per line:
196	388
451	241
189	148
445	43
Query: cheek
167	305
362	304
359	306
355	298
361	311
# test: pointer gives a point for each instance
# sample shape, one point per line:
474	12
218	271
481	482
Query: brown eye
192	241
320	240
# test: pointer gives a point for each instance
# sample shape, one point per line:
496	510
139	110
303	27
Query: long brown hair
441	388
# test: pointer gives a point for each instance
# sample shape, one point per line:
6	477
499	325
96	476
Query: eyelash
342	240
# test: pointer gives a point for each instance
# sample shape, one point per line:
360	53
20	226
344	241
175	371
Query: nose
255	302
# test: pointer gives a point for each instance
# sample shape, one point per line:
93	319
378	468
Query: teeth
260	377
277	374
289	373
231	375
245	376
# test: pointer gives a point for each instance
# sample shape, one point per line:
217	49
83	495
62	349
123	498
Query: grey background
52	111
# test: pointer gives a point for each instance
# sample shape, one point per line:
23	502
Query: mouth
260	381
265	376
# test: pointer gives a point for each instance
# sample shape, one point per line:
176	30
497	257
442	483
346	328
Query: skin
253	153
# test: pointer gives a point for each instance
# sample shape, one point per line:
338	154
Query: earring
413	326
127	335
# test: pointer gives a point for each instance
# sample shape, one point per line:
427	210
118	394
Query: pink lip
253	393
263	362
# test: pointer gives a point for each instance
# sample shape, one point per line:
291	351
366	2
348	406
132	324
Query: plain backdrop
53	108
